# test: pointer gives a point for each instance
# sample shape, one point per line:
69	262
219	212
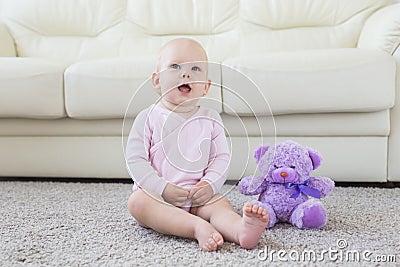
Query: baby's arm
219	158
139	166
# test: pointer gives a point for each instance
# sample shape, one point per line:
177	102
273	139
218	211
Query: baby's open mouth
184	88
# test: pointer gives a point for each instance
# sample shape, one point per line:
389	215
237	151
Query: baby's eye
195	68
175	66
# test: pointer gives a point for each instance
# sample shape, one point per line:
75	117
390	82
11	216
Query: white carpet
71	224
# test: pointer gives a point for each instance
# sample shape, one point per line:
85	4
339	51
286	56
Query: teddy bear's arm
324	185
252	185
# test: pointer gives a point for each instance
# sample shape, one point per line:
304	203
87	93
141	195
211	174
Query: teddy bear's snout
284	175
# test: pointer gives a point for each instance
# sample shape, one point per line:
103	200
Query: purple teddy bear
286	186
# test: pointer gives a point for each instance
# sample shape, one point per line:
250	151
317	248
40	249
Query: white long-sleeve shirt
165	147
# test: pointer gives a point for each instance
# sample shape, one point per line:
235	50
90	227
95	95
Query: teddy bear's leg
309	214
271	213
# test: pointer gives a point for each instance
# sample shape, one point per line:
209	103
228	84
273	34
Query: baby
178	156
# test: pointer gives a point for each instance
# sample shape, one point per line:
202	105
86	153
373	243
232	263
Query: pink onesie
164	147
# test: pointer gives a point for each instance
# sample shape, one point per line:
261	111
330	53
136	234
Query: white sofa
325	69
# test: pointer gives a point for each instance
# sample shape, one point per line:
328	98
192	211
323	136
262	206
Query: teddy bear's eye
293	167
276	167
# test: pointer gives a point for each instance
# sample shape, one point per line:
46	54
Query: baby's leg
167	219
245	231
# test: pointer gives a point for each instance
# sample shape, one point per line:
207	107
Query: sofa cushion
195	17
318	124
31	88
95	29
382	30
103	89
43	28
309	81
7	48
279	14
279	25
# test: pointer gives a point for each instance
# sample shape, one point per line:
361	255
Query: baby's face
182	73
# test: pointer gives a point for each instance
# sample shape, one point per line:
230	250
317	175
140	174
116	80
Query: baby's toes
261	211
218	239
248	207
211	245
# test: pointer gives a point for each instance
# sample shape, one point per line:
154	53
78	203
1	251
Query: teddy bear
286	188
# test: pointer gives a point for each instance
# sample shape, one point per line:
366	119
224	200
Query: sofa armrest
7	47
394	138
382	30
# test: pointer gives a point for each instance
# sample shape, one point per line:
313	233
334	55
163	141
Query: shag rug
88	224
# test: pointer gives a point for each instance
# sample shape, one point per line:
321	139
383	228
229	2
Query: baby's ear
316	158
207	87
155	81
260	152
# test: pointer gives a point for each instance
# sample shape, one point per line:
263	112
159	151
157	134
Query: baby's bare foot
209	239
254	221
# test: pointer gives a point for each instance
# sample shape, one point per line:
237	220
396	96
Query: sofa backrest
281	25
74	30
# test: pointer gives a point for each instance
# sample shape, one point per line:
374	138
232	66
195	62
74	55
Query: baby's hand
201	193
175	195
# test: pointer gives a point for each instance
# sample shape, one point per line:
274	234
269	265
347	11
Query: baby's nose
185	75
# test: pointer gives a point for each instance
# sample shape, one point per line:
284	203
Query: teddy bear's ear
316	158
260	152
